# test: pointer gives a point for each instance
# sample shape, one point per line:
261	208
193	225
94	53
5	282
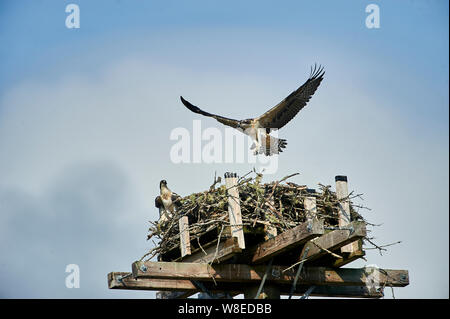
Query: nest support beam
180	280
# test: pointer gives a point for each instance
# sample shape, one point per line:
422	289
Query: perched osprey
273	119
166	202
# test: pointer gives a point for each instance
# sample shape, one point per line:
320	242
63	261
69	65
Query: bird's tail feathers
271	146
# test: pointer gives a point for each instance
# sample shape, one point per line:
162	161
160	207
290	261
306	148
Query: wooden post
270	230
344	210
310	207
234	209
185	240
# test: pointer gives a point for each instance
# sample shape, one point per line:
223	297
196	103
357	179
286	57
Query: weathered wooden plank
114	279
227	248
344	205
344	209
241	273
166	288
333	240
212	232
343	292
285	241
234	209
324	276
349	257
216	254
310	206
185	288
185	241
269	229
201	272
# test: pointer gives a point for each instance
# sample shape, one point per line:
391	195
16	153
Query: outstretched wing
286	110
221	119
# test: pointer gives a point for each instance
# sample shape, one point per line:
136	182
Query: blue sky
411	39
86	115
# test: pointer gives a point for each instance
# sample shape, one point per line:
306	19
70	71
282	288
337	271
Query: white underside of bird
166	212
264	143
166	202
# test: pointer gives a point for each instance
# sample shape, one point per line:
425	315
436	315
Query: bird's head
163	183
244	124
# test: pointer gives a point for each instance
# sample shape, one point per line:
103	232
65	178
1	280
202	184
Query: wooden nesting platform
304	260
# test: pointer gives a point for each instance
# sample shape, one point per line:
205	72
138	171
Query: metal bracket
297	275
269	267
350	228
143	268
121	278
276	273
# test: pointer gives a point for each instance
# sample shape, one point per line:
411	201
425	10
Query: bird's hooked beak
162	183
243	124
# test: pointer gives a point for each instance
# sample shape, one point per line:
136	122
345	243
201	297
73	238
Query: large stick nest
278	204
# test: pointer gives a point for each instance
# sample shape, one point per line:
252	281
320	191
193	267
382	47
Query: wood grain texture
183	288
333	240
240	273
185	241
285	241
350	257
344	211
310	207
234	210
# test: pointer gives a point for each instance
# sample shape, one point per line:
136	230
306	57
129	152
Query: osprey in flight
166	202
278	116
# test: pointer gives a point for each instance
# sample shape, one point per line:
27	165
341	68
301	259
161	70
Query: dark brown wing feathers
158	202
286	110
221	119
283	112
176	199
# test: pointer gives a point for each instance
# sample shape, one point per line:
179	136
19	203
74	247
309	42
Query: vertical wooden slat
234	209
344	210
270	230
185	241
310	207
